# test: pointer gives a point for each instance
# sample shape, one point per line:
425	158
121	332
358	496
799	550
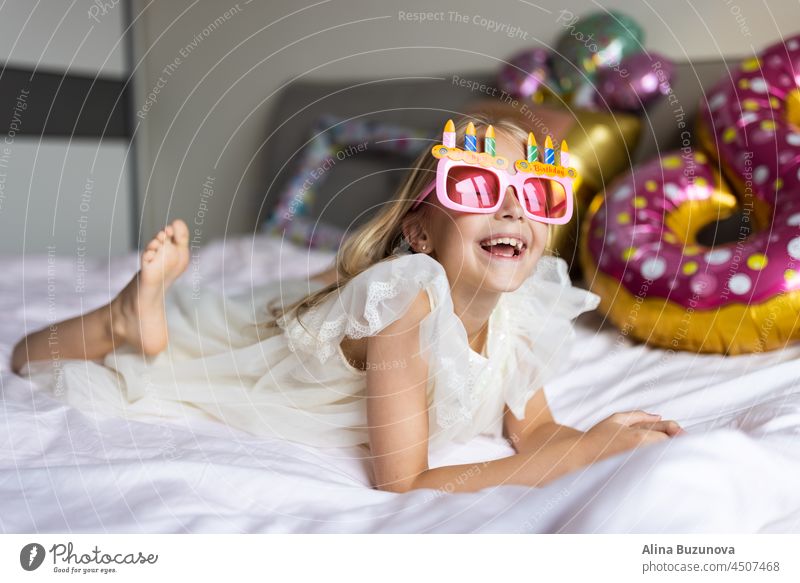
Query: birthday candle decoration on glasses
549	152
470	140
489	145
533	151
564	156
449	134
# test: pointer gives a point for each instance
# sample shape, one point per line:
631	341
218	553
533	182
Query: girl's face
467	245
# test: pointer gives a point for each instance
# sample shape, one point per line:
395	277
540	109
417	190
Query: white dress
293	381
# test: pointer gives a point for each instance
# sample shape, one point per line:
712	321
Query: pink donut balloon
750	121
646	251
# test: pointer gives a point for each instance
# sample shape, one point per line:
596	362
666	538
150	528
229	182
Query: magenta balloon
747	117
628	239
525	73
639	79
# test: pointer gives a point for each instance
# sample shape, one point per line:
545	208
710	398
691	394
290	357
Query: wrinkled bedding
61	470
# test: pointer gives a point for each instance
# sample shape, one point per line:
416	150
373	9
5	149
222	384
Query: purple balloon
525	73
638	80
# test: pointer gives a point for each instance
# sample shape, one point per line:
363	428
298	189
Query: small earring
424	247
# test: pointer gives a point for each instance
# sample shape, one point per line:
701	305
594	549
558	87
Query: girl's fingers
671	428
631	417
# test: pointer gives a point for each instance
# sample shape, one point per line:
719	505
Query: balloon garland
599	63
641	247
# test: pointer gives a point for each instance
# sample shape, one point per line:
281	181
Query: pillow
299	215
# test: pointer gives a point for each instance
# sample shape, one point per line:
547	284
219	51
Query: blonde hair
380	238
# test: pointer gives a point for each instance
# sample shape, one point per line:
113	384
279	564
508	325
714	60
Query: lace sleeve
363	307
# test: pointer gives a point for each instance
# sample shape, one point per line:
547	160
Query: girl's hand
671	428
624	431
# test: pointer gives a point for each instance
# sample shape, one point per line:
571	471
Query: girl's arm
536	428
397	415
539	429
397	407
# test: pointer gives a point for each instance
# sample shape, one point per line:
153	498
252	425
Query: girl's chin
503	276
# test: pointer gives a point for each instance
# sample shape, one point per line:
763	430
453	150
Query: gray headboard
423	103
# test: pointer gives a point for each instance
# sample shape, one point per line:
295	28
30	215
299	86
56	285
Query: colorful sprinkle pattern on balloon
746	116
652	261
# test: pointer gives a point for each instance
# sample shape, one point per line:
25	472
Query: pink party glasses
473	182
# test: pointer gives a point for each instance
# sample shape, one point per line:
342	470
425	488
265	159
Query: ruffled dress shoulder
293	381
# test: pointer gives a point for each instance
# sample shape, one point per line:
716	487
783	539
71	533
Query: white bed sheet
61	470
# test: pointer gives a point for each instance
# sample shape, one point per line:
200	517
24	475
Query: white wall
72	197
50	187
78	37
209	114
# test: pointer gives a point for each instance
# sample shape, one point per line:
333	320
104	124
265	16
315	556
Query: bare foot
137	313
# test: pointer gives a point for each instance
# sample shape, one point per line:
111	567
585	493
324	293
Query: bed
738	469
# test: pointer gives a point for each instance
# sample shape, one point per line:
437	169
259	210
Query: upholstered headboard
364	181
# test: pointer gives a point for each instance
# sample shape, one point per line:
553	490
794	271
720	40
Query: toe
161	236
148	255
180	230
153	245
168	230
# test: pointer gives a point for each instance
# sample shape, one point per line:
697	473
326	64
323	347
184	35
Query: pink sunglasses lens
545	198
472	187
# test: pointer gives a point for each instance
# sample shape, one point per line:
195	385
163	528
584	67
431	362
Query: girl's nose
511	208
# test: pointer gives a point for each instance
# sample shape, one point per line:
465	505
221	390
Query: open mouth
504	247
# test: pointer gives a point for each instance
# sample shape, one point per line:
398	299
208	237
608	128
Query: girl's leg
136	316
88	336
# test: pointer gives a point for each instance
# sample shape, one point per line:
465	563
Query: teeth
518	243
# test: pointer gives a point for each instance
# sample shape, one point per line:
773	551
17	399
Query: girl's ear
415	233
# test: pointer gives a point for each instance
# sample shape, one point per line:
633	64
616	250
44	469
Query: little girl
441	320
